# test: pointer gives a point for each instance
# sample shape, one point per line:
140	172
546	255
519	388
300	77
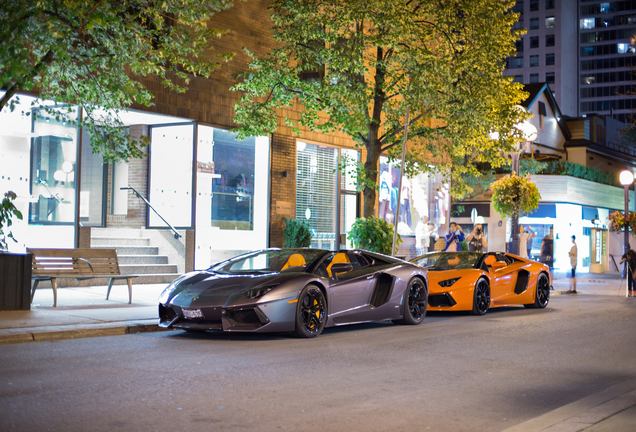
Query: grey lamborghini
296	290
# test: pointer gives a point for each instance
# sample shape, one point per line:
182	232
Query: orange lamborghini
476	281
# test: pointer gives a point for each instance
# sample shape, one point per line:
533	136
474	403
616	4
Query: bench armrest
87	262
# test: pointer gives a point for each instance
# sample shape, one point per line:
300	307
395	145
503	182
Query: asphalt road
454	372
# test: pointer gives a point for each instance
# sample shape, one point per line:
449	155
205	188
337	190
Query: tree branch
17	86
397	130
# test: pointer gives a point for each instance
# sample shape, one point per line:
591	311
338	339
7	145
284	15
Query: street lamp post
529	133
626	178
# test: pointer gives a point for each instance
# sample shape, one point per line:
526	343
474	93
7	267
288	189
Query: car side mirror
498	265
340	268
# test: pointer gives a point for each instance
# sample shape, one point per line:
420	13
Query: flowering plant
513	195
617	221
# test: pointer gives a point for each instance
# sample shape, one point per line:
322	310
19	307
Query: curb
43	334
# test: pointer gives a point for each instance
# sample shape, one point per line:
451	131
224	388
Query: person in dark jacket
630	258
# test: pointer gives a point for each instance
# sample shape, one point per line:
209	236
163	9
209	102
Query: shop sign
205	167
284	208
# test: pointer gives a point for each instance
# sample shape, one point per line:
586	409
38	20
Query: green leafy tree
355	66
93	52
7	211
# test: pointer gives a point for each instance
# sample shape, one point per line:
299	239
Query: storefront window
92	187
232	195
349	198
316	192
233	186
424	199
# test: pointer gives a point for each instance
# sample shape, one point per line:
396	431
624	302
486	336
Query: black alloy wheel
542	292
311	312
481	299
415	302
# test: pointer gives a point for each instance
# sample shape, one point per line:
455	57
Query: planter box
15	281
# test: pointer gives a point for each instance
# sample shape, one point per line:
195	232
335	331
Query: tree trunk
371	167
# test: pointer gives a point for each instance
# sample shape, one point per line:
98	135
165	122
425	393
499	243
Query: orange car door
503	282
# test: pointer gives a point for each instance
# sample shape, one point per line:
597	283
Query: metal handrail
176	234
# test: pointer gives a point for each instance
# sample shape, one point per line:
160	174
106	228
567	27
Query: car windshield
268	261
448	260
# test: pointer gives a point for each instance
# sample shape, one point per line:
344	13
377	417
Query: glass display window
232	198
38	161
316	191
53	170
424	199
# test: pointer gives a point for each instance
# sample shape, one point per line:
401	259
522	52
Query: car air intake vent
441	300
245	316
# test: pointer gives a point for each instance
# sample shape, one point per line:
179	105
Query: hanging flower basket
617	221
513	195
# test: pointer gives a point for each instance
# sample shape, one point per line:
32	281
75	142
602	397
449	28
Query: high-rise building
547	53
607	49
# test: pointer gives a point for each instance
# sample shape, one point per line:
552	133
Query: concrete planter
15	281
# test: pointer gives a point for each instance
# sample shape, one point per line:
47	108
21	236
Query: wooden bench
51	264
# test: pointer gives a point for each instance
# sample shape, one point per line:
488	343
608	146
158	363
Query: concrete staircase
136	254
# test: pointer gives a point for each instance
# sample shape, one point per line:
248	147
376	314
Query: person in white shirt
574	253
523	240
422	236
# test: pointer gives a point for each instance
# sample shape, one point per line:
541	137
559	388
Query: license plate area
192	313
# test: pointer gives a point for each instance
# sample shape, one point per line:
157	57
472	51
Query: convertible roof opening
269	261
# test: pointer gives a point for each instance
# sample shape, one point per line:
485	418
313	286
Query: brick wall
283	150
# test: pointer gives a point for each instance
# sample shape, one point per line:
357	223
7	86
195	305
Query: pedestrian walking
454	238
630	259
574	254
476	240
524	236
547	251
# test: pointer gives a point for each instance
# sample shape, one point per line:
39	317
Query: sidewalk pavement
83	312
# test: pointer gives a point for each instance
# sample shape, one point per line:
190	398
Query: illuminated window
587	23
549	22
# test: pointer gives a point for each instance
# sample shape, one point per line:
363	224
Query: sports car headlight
448	282
254	293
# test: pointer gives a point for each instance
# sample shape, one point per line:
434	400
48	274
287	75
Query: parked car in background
476	281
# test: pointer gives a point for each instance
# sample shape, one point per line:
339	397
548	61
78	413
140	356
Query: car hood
465	275
205	288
